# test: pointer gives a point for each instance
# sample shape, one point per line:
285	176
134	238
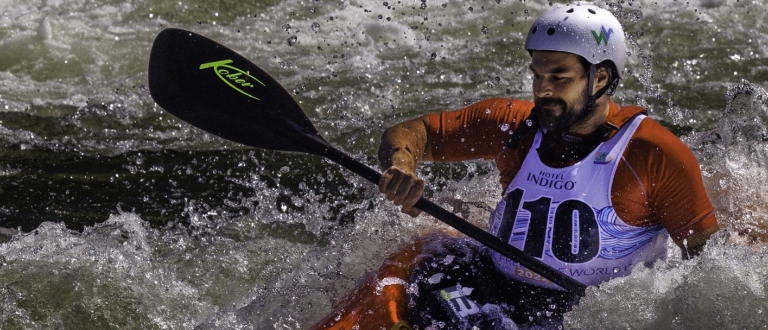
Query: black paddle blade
221	92
214	88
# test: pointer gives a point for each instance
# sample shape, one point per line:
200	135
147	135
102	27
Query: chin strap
592	99
581	145
601	134
575	147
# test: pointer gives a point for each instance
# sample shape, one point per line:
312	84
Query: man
589	188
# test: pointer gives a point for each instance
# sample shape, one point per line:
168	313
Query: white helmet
590	32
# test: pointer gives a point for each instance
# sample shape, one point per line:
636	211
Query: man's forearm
405	145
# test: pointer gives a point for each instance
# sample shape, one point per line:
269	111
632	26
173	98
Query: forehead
550	61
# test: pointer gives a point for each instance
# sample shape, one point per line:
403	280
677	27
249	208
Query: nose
542	88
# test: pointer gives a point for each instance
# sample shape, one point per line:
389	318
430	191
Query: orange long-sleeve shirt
657	182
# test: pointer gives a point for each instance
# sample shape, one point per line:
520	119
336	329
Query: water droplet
292	40
471	9
315	26
633	16
286	27
484	30
504	127
434	279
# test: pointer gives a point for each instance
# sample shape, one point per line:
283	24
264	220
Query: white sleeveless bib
564	217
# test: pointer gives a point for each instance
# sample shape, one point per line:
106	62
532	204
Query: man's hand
402	147
402	188
693	245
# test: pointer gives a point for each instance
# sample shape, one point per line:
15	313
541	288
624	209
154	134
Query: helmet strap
592	98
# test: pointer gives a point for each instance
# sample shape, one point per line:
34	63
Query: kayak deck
381	301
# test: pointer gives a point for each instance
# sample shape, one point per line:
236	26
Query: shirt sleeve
670	177
478	131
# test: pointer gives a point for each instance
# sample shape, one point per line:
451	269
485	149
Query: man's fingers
412	197
402	188
384	181
413	212
414	193
394	186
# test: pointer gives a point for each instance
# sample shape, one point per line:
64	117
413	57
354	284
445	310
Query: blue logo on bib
603	158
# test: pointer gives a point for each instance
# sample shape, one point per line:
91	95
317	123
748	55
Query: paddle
221	92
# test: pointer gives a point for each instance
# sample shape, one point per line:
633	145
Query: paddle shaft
223	93
482	236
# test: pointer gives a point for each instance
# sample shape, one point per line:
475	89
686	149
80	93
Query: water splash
692	294
734	158
52	266
388	281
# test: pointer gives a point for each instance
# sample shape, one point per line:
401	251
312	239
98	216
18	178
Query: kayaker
589	187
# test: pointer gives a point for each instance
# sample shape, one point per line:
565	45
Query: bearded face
556	114
560	84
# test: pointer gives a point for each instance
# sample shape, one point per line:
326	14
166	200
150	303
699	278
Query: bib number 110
575	234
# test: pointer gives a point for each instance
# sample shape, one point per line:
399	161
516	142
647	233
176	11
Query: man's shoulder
654	132
492	111
621	115
504	102
649	130
653	137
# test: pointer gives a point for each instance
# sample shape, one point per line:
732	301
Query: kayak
443	280
381	301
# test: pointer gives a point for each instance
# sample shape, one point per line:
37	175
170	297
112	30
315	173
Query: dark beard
572	115
555	150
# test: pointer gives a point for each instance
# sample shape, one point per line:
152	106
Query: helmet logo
604	35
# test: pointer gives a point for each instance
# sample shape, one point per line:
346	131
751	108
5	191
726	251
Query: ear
602	78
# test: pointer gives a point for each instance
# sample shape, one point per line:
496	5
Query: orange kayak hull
381	301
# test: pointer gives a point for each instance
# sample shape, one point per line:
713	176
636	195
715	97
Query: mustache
549	103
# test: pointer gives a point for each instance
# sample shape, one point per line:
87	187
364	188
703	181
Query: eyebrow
556	70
